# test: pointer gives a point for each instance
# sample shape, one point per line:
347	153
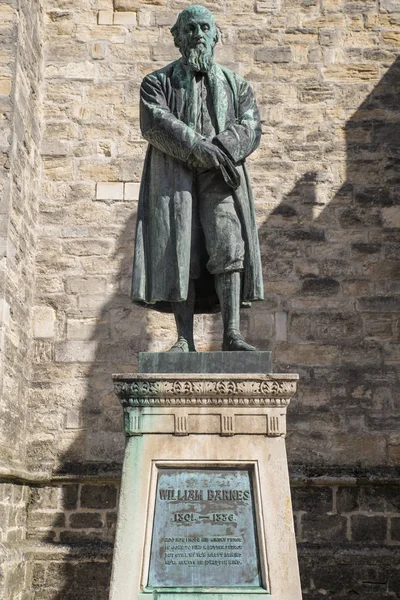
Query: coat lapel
183	83
217	83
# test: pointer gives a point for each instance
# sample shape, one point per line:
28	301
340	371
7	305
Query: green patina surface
196	245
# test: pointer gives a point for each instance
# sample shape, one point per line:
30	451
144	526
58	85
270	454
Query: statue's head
195	34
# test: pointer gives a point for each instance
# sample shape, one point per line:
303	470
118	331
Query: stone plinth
212	425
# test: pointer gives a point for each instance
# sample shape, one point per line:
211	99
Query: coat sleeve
242	137
159	126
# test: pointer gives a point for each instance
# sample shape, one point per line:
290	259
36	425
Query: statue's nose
198	34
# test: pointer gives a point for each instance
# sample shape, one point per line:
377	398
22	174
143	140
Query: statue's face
197	39
198	30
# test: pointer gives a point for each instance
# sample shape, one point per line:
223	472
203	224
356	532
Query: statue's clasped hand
206	156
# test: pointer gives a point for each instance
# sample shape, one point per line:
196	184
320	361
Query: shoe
235	342
180	346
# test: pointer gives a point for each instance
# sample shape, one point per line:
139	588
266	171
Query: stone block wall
348	538
73	513
326	74
21	70
70	574
20	126
13	566
347	529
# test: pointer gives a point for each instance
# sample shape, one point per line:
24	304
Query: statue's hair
184	15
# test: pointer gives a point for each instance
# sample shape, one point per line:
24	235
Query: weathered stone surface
127	5
69	496
390	6
268	6
105	17
110	191
278	54
131	191
125	18
75	351
315	499
44	322
395	529
379	304
93	496
86	520
368	529
323	528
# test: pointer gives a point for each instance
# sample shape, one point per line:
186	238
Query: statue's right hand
206	155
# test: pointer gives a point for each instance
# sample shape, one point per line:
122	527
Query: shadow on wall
87	520
331	266
122	331
330	270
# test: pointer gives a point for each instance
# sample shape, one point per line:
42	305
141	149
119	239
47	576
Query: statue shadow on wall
335	254
319	247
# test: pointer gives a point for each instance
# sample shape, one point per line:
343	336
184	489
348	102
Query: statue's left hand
206	155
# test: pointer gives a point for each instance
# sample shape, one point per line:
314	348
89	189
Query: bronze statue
196	245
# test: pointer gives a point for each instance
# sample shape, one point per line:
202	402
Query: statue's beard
200	58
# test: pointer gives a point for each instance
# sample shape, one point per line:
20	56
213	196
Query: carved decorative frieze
182	405
195	390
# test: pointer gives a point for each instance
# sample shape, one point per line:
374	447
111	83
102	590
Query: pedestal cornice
154	389
182	404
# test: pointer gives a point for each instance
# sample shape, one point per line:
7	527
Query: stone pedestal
226	431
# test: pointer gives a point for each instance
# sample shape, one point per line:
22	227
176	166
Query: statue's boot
184	315
181	345
228	289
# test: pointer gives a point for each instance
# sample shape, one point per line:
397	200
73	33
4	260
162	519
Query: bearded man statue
196	248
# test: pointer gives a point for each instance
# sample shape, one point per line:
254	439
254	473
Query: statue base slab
205	362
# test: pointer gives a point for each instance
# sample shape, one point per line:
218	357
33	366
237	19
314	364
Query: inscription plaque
204	532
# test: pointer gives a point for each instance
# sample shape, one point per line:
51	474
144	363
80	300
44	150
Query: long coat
164	221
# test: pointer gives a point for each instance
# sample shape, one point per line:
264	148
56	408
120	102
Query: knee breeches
216	220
